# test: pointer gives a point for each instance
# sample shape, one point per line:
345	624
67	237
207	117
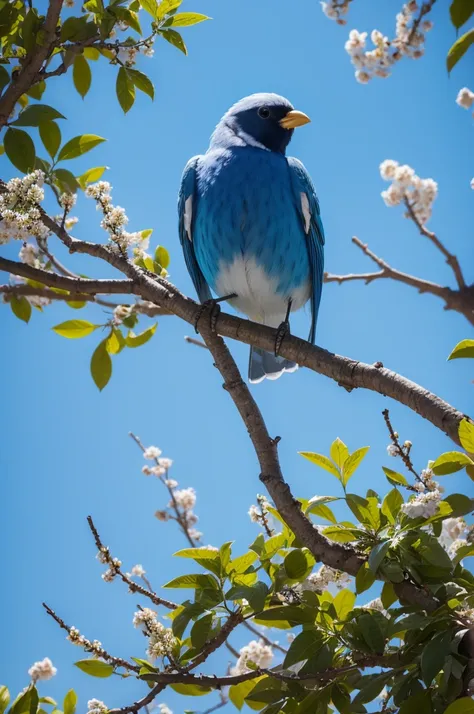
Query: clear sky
65	451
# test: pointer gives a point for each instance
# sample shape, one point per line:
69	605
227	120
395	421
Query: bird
250	225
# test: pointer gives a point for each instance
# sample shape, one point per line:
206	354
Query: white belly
257	292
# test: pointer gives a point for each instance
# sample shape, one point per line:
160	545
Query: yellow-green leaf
95	667
339	452
450	462
185	19
21	308
36	114
125	89
162	256
459	48
81	75
142	82
91	176
466	435
70	702
151	7
352	463
175	39
74	329
101	365
50	135
133	340
463	349
4	699
465	705
78	146
91	53
167	6
322	461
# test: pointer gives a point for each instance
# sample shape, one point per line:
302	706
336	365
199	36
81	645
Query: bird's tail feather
265	365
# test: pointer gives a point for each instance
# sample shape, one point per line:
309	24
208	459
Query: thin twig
404	453
193	341
87	644
133	587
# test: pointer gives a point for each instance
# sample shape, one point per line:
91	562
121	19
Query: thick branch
336	555
32	63
343	370
460	300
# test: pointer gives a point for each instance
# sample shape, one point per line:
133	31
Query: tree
411	648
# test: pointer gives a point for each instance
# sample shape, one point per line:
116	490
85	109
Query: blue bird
250	225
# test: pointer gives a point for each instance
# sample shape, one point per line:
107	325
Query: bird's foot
213	309
282	331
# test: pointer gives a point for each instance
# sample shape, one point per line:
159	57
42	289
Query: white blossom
138	570
424	505
127	55
151	453
103	555
334	9
195	534
326	575
254	513
162	515
185	498
392	450
96	706
407	186
472	184
257	652
171	483
29	255
42	670
19	212
108	576
121	312
164	709
387	169
165	463
67	201
465	98
376	605
75	636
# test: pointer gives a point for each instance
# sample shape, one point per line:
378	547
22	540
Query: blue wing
187	204
314	230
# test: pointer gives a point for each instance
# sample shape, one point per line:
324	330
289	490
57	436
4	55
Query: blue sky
65	450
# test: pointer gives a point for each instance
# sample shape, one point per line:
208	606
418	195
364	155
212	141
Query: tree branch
343	370
31	64
460	300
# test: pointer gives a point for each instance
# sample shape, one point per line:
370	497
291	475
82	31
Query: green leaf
321	461
150	6
459	48
388	595
340	534
91	176
296	564
191	690
81	75
238	692
125	89
372	632
67	180
20	149
461	11
133	340
294	615
242	563
463	349
391	505
48	700
4	698
353	463
167	6
193	581
365	578
78	146
466	435
95	667
430	549
101	365
202	553
161	255
185	19
272	546
50	134
74	329
344	603
377	554
450	462
339	452
433	655
200	631
21	308
175	39
91	53
460	504
70	702
36	114
26	703
115	342
394	477
142	82
465	705
420	703
370	685
304	646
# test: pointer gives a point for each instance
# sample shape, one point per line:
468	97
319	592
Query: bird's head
263	120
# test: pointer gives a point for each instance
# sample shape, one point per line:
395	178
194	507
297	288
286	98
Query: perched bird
249	223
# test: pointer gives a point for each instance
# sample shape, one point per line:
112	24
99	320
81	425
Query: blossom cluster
94	646
20	216
376	605
377	62
42	670
326	575
259	513
161	639
115	219
121	312
257	652
465	98
128	55
335	9
424	505
406	187
96	706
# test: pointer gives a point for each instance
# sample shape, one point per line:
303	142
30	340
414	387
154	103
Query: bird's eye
263	112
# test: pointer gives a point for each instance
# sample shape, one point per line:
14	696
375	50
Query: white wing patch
188	216
306	211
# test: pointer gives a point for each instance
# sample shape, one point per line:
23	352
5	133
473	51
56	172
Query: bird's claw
282	331
213	308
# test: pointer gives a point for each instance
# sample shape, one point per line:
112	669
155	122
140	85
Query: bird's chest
246	209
